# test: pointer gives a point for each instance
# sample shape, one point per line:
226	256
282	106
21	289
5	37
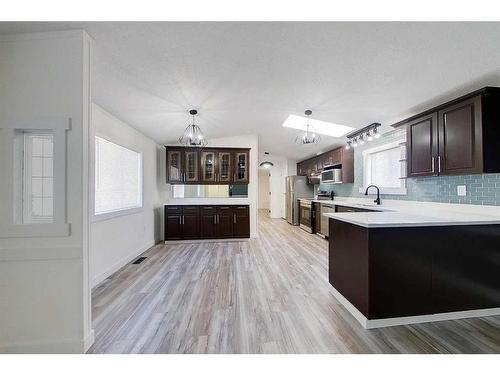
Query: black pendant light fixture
193	137
309	136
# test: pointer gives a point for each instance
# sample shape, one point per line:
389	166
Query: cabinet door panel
173	225
422	146
208	164
208	226
191	164
241	221
241	174
460	138
190	226
224	222
174	166
225	167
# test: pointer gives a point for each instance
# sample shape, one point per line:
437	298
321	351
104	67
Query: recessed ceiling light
322	127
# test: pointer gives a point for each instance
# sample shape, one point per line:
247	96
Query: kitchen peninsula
416	262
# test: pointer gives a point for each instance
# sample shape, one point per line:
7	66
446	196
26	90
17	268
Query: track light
358	137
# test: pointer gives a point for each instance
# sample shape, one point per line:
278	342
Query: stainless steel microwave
332	175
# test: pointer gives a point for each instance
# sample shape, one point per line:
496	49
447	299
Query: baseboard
64	346
207	240
391	322
89	341
96	280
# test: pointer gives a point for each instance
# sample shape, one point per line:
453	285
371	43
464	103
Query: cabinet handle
234	218
215	219
218	219
439	164
183	219
433	169
180	220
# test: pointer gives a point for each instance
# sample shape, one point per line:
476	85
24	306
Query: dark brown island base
400	275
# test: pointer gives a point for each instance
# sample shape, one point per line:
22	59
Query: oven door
306	216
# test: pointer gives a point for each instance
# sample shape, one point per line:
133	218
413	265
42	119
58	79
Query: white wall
263	189
44	282
117	240
282	167
242	141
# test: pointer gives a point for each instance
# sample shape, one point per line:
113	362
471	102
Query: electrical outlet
461	190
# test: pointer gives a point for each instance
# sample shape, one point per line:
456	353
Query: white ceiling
246	78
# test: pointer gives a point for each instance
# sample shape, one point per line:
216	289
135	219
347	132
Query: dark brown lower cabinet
224	222
398	272
190	222
207	222
241	221
181	222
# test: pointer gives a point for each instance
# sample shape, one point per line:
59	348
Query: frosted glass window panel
118	177
38	184
386	168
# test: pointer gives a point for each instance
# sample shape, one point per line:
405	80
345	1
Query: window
38	181
118	177
384	166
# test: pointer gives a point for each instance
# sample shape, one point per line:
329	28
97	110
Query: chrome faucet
378	193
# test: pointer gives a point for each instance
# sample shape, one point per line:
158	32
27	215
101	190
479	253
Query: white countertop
394	213
206	201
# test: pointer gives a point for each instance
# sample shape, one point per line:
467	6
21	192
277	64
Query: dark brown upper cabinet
422	146
191	166
340	155
460	138
207	166
225	167
457	138
174	165
242	165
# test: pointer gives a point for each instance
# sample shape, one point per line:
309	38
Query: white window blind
118	177
385	168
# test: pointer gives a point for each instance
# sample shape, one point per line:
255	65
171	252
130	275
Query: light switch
461	190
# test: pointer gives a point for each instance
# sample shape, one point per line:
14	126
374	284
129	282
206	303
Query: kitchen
374	244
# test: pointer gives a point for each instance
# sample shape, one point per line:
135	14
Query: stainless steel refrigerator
296	187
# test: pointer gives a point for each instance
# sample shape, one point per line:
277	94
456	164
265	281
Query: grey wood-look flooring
268	295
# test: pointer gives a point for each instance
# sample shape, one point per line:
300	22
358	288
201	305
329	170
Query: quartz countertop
394	213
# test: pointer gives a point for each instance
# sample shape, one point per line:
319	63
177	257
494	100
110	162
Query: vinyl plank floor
268	295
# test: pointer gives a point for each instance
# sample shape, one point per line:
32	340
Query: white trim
96	280
391	322
59	226
114	214
30	254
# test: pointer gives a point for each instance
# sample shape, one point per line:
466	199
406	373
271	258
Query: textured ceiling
246	78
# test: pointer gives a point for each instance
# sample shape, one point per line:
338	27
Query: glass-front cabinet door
174	166
241	167
225	167
191	162
208	164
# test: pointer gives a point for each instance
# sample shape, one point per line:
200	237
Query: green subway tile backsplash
482	189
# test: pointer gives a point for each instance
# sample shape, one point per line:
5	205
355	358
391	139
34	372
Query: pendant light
309	136
193	137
